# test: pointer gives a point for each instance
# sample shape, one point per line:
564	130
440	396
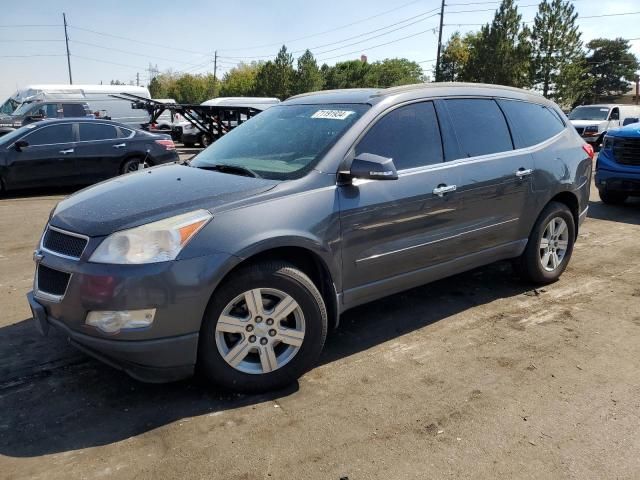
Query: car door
495	179
99	151
396	226
48	159
614	118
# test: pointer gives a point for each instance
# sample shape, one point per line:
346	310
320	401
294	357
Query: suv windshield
589	113
283	142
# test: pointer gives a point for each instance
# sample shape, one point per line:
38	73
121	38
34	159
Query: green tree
156	88
391	72
349	74
500	54
611	66
308	77
455	56
276	78
555	43
189	89
240	81
573	84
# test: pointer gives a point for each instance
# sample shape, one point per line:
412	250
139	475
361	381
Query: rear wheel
133	164
550	245
264	327
205	140
612	198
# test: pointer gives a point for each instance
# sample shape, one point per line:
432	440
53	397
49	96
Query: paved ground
475	376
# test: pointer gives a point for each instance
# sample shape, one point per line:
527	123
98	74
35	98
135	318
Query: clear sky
182	35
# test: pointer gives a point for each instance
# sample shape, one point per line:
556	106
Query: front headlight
151	243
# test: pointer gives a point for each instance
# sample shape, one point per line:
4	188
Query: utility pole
439	42
215	66
137	79
66	39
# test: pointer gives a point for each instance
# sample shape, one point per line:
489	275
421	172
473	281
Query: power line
31	40
35	55
255	47
531	21
381	44
129	53
356	36
28	26
106	61
137	41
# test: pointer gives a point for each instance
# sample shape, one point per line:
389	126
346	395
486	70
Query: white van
593	121
96	96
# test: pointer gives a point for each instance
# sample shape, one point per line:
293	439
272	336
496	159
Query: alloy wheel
260	330
554	243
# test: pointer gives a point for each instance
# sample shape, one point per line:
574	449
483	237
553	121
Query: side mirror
373	167
20	144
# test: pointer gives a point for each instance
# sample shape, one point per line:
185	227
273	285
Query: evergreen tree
555	44
308	77
612	66
500	54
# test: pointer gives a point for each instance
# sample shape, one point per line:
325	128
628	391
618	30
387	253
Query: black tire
189	144
130	166
612	198
530	262
205	140
270	275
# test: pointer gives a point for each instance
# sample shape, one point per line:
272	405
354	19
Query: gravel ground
476	376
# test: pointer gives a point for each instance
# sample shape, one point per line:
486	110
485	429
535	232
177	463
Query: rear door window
73	110
97	131
410	135
531	123
480	126
53	134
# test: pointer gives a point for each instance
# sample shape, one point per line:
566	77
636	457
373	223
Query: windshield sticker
333	114
604	109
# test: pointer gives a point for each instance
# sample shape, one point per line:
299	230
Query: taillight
167	144
586	147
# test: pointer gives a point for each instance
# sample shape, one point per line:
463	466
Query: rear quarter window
531	123
480	126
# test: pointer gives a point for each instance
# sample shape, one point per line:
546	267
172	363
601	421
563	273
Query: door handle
440	190
64	152
120	145
523	172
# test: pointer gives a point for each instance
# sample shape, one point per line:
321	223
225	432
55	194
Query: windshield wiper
231	169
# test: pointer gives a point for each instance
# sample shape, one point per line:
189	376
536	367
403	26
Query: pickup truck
618	164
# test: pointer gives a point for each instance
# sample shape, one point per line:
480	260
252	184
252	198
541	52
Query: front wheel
550	245
264	327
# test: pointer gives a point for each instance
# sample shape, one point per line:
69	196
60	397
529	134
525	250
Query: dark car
30	112
77	152
241	261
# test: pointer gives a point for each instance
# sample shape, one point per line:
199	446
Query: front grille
53	282
63	243
580	130
626	151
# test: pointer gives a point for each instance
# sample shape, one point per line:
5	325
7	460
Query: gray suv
239	262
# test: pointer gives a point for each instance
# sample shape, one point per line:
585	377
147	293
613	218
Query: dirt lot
475	376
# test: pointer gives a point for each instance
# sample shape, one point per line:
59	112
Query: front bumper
155	361
178	290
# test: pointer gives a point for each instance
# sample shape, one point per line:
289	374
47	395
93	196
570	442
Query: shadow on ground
629	212
54	399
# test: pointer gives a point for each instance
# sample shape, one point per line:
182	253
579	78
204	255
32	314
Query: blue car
618	165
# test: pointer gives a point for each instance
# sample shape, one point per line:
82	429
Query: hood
628	131
586	123
149	195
